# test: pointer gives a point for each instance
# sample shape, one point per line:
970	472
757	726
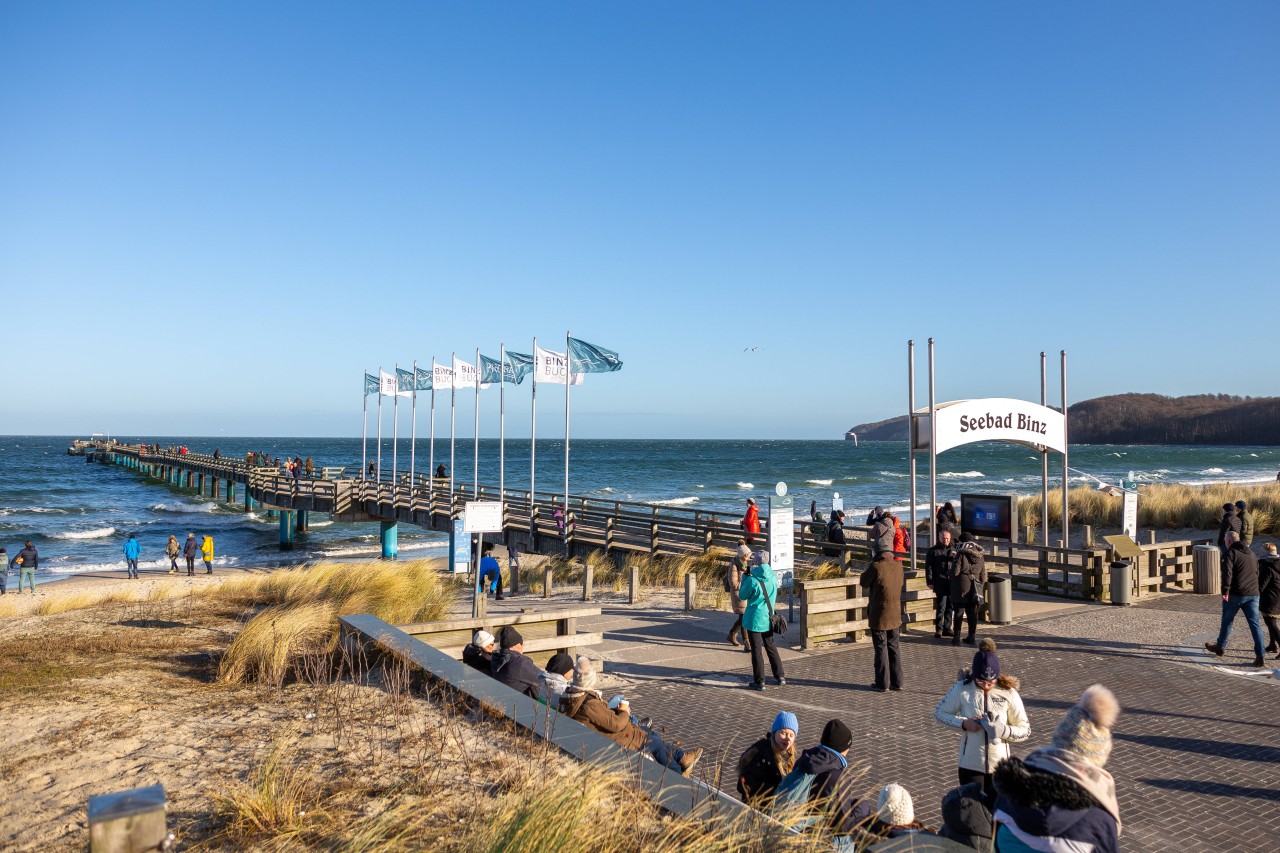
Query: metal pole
364	431
1066	499
453	396
911	442
431	450
378	477
1044	459
475	464
395	437
502	425
533	432
568	380
933	451
413	429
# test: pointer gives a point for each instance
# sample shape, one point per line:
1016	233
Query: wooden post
1030	536
653	533
690	590
513	568
588	575
634	589
806	641
1152	535
1088	536
608	533
547	580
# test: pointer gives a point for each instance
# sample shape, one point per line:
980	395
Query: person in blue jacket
759	590
490	568
131	551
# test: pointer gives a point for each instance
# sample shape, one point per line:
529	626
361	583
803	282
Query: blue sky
214	216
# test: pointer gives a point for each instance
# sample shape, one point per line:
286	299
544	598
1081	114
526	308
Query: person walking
1060	797
189	551
732	584
987	708
172	550
768	760
131	551
937	574
1230	523
882	584
968	575
1246	523
751	521
206	551
1239	592
26	561
1269	594
759	590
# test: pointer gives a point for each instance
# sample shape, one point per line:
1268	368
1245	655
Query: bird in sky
750	349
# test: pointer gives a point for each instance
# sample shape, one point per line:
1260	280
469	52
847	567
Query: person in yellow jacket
206	551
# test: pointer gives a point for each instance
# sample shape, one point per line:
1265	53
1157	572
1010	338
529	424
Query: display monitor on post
992	516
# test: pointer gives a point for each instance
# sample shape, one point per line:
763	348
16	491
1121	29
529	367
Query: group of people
957	574
1249	584
888	534
23	564
753	593
569	686
1057	797
188	550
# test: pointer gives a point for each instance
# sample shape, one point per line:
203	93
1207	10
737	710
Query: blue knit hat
785	720
986	666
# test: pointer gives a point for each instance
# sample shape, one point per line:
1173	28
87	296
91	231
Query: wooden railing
545	632
836	609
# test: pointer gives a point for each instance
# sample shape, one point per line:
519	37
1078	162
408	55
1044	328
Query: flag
424	379
490	369
404	382
370	384
549	367
387	383
589	358
464	374
518	366
443	378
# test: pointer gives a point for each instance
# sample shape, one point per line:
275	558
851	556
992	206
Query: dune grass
1163	506
278	801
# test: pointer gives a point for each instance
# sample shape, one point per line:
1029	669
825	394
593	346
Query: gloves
995	729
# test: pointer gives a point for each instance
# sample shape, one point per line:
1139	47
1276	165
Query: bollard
513	568
588	575
690	590
635	585
128	821
1088	536
547	580
479	600
1151	534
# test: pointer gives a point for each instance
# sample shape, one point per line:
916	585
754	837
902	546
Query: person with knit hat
985	706
818	788
732	582
766	761
895	815
554	681
760	591
1062	794
968	579
479	652
511	667
1269	594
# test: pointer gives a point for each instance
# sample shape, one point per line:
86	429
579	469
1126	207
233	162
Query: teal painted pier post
390	540
231	491
304	520
249	503
288	528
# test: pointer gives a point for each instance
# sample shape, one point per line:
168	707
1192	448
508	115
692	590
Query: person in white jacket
987	709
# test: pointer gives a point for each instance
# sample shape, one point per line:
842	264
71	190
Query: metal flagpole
1066	483
395	435
1044	460
431	450
533	432
502	424
378	478
475	465
568	380
364	432
413	428
453	396
933	452
911	442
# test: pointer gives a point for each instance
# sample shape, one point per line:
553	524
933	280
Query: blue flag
424	379
490	370
404	381
589	358
518	367
370	384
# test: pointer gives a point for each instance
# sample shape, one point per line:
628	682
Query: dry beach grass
1162	506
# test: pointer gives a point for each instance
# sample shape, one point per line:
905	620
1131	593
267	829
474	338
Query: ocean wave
319	523
820	482
893	474
960	475
746	485
10	510
202	507
1239	481
96	533
1208	471
676	501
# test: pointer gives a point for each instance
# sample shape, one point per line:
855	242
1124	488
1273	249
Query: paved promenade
1197	749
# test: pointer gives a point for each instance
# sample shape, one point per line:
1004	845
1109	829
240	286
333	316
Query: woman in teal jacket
759	590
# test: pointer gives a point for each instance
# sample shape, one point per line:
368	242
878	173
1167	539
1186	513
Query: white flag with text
551	366
442	377
386	384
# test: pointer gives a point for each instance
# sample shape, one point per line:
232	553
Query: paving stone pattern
1196	755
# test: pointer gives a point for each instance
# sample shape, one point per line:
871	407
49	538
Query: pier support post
249	503
390	540
288	527
215	488
231	491
304	520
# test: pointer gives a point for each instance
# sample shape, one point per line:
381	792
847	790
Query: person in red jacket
751	521
901	538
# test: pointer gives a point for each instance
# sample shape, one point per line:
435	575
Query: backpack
792	797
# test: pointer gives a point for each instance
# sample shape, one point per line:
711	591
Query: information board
483	517
460	548
782	536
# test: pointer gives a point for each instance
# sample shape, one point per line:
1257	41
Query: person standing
1269	594
732	584
751	521
189	551
947	519
1239	592
172	550
882	535
882	583
491	568
1230	523
310	466
759	590
835	535
4	576
1246	523
988	710
26	561
768	760
206	551
968	575
937	574
131	551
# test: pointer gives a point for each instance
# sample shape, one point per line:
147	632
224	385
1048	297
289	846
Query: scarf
1094	779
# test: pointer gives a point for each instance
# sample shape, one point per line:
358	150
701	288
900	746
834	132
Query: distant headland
1146	419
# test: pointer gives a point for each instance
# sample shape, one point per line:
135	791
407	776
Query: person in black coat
511	667
766	761
1239	592
937	573
835	534
1230	523
966	816
968	575
1269	594
478	654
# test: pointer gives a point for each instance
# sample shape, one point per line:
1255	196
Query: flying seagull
750	349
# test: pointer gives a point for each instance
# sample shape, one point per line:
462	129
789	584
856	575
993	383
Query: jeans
495	585
666	754
761	645
208	567
132	566
28	575
888	661
942	612
191	565
1233	605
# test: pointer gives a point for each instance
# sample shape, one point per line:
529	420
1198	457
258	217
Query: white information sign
1130	522
994	419
782	538
837	503
483	517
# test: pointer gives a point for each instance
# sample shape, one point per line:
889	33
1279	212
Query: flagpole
395	435
431	450
413	427
364	431
568	380
453	396
378	476
533	431
502	424
475	465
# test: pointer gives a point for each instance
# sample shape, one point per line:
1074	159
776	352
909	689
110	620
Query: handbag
777	622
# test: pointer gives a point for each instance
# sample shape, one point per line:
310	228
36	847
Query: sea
79	515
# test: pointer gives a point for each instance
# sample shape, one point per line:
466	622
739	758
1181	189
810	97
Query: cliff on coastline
1147	419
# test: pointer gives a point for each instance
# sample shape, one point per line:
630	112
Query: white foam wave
893	474
960	475
1208	471
96	533
201	507
1240	481
746	485
820	482
319	523
676	501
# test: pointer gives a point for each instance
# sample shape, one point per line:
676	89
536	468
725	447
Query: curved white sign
996	419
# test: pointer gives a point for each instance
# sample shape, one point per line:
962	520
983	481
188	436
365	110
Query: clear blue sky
214	216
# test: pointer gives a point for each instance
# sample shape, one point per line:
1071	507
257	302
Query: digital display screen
988	515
